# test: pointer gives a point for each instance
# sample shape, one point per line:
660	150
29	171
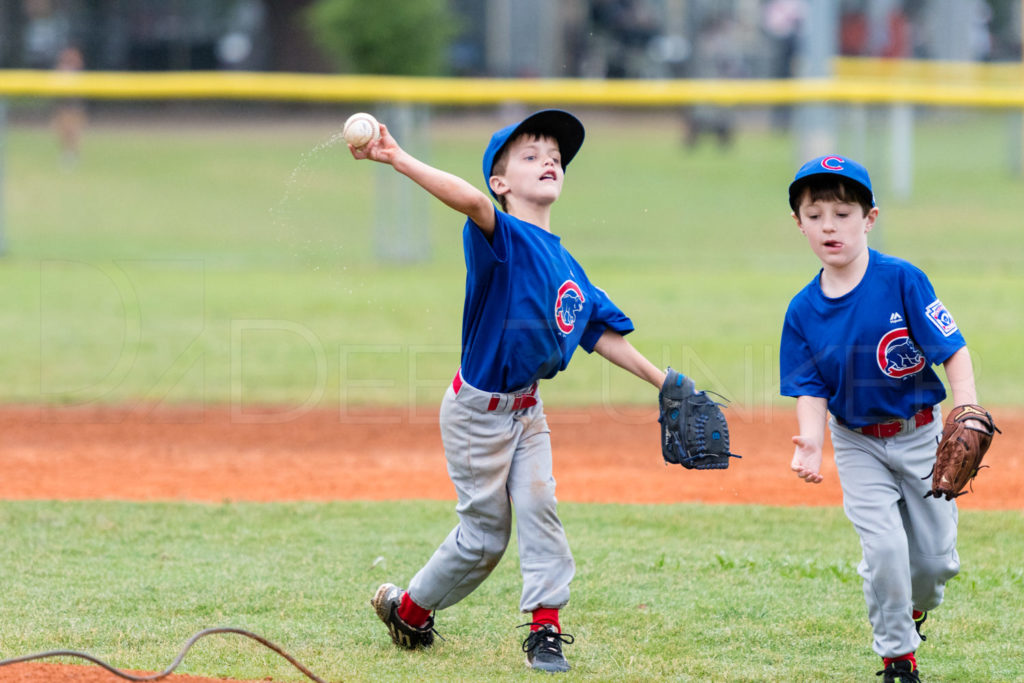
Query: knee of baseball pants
483	545
886	569
539	529
462	562
929	575
492	553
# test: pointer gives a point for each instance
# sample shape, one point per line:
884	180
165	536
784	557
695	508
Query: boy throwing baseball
859	342
528	305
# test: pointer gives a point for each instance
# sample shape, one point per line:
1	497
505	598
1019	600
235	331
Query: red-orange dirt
602	454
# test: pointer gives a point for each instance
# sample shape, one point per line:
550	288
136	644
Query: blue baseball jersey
528	306
869	352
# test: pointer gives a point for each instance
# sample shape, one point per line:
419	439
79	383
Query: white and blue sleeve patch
941	318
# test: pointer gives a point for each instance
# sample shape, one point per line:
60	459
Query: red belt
883	430
509	402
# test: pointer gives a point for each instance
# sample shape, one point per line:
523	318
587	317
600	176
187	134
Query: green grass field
209	263
215	263
670	592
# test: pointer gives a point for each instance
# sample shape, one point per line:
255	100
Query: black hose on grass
177	660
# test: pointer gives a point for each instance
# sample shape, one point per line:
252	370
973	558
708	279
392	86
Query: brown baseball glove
961	448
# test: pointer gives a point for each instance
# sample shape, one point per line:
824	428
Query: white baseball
360	130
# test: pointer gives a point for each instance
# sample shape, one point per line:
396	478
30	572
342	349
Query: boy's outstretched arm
618	350
811	412
450	189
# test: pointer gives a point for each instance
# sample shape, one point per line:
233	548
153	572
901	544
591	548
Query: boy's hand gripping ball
360	130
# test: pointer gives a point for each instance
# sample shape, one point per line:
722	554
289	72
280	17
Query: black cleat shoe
543	649
902	671
385	603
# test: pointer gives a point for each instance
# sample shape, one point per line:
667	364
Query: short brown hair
829	187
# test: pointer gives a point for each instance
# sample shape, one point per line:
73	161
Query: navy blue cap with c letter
831	164
561	125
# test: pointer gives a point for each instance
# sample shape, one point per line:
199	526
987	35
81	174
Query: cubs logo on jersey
898	355
568	303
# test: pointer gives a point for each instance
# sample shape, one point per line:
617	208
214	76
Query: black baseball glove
694	432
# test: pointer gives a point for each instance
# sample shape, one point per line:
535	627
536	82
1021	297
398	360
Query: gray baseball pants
499	458
908	541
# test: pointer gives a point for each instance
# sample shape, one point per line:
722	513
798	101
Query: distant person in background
717	55
620	33
781	21
69	114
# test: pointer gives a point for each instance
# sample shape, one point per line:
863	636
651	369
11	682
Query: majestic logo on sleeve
568	303
898	355
941	318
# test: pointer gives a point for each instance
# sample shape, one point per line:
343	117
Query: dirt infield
210	454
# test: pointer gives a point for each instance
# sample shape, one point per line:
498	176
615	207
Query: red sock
544	615
411	613
886	661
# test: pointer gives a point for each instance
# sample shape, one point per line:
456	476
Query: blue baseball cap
831	164
561	125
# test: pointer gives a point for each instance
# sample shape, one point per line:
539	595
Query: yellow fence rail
937	72
856	82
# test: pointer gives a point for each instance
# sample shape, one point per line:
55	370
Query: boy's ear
498	184
871	218
796	217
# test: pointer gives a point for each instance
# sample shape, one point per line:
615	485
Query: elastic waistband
495	402
884	430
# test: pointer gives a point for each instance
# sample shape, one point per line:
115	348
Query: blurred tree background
418	35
